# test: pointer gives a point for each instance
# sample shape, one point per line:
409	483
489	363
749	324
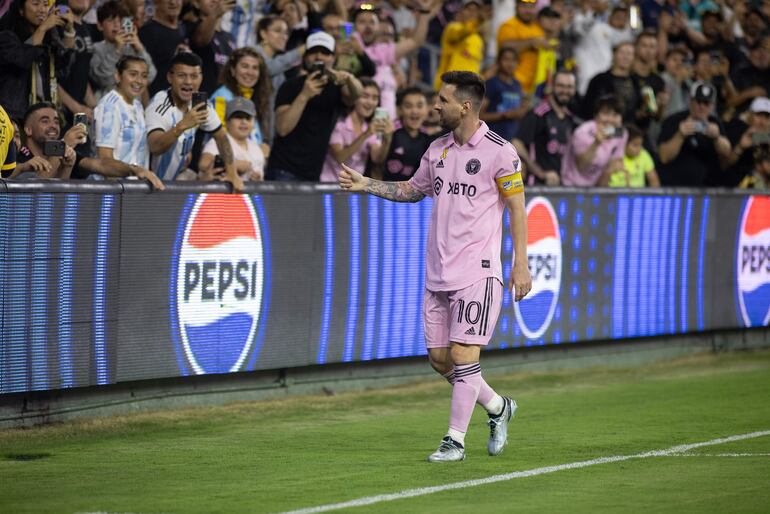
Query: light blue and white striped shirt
241	22
121	126
162	114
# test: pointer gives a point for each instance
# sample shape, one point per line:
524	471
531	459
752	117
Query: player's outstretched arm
351	180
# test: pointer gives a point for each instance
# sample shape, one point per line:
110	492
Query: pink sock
486	393
465	392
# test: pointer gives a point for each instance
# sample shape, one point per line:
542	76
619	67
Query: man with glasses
692	143
544	132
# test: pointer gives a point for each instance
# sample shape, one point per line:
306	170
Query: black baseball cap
703	92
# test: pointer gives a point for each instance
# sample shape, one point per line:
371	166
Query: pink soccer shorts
466	316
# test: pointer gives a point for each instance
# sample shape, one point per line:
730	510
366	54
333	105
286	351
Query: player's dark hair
36	107
610	102
112	9
128	59
409	91
468	85
186	59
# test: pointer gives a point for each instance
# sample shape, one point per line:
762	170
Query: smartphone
61	10
53	148
380	113
346	30
317	67
716	58
127	23
760	138
80	118
199	97
218	162
613	131
700	127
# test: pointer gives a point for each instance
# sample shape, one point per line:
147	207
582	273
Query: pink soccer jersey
466	224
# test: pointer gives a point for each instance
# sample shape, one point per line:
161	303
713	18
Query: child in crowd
638	166
410	141
360	135
240	114
504	104
120	38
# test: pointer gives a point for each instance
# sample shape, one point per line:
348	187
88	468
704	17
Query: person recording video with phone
692	145
363	134
597	146
174	115
120	39
46	154
306	112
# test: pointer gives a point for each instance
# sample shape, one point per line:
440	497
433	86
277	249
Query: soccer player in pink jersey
472	175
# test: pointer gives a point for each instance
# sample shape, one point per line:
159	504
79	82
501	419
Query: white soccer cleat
448	451
498	427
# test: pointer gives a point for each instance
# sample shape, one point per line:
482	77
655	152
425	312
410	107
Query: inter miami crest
473	166
437	185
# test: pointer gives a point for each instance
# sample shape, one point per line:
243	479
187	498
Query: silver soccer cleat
448	451
498	427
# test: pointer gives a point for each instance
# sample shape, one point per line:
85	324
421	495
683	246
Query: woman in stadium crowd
245	75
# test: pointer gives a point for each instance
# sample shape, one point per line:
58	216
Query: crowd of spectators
618	93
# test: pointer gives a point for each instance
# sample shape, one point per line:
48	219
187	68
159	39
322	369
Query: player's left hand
520	282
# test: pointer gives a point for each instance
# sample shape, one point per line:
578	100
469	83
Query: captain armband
510	184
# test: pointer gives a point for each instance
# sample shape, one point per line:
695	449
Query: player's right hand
350	179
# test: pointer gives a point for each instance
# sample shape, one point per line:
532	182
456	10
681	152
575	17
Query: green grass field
276	456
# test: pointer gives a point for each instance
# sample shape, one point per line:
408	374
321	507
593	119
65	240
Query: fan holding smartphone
175	115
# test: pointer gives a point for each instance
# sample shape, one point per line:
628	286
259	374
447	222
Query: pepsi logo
218	283
535	311
753	262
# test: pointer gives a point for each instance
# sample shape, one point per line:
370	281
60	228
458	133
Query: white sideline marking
411	493
720	455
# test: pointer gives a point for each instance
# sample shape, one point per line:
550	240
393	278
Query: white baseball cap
319	39
760	104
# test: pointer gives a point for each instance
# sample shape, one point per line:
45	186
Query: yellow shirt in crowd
7	159
516	30
462	49
636	169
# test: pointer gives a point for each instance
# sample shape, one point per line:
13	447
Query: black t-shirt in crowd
608	84
76	82
405	154
214	57
697	163
546	136
745	165
302	151
161	43
25	154
654	82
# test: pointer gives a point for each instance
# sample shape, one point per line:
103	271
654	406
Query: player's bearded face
449	109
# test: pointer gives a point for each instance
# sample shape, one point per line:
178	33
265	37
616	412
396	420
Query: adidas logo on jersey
440	164
470	332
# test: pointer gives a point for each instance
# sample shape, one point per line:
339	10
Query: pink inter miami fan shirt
468	184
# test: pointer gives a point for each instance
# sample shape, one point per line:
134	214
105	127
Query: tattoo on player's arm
395	191
224	147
